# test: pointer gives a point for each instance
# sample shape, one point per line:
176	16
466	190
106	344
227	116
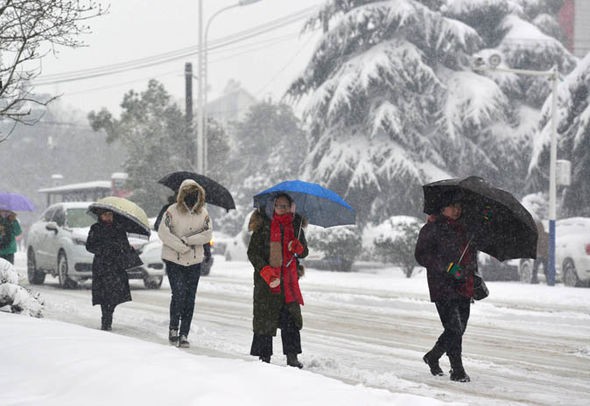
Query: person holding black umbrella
186	226
276	244
207	260
444	249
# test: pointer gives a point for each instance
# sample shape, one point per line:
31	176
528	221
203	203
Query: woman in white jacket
186	227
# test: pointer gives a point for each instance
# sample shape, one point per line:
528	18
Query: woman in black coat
444	249
107	240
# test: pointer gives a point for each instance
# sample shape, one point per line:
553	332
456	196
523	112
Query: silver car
56	245
572	253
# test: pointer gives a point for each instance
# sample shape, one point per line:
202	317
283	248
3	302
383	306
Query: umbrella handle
465	250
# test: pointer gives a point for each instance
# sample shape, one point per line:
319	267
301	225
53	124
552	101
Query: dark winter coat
111	248
542	241
440	242
267	305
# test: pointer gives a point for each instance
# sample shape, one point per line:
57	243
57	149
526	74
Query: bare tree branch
29	29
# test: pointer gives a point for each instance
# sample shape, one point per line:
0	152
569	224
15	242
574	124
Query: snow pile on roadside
15	298
55	363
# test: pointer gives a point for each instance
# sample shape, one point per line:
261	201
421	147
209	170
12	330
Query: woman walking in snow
186	227
107	240
9	229
450	262
275	245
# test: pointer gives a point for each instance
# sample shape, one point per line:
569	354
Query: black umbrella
215	194
497	222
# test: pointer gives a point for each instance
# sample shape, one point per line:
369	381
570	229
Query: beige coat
184	230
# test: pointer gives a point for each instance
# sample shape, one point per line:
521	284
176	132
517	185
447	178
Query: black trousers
453	315
290	336
184	281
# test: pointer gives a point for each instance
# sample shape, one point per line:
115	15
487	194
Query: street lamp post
202	83
553	75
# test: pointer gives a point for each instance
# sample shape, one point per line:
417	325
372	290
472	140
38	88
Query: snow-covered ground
525	344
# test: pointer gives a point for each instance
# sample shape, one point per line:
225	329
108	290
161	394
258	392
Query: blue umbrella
15	202
321	206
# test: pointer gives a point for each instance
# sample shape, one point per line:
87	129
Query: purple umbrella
15	202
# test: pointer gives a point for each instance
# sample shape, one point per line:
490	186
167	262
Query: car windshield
79	218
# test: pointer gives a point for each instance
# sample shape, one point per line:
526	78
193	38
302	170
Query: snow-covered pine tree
573	140
394	102
523	33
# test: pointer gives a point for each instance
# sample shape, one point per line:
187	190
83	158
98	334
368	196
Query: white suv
56	245
572	253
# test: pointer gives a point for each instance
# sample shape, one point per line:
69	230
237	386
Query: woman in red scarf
443	242
274	249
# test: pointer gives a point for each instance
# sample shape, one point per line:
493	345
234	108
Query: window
79	217
59	217
48	214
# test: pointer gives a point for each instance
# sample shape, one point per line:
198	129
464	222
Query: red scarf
282	227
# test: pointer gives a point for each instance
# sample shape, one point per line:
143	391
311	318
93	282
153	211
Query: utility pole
188	91
200	89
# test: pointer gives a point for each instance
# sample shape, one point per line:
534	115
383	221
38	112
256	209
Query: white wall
582	28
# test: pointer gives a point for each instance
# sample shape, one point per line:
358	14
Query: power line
245	49
177	54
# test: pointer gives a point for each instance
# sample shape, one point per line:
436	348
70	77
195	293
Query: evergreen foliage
269	147
394	102
573	136
158	141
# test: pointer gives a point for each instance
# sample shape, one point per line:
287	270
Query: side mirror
51	226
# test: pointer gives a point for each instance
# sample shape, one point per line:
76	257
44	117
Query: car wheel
525	271
153	282
570	276
35	277
62	272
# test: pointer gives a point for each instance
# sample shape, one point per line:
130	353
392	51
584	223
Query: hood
189	185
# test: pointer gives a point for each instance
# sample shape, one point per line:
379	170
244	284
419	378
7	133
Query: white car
237	247
572	253
56	245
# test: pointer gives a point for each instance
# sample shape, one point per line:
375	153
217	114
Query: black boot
106	322
458	373
265	358
106	325
292	361
431	359
107	317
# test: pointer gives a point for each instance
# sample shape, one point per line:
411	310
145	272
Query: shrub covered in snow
14	297
394	241
341	245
